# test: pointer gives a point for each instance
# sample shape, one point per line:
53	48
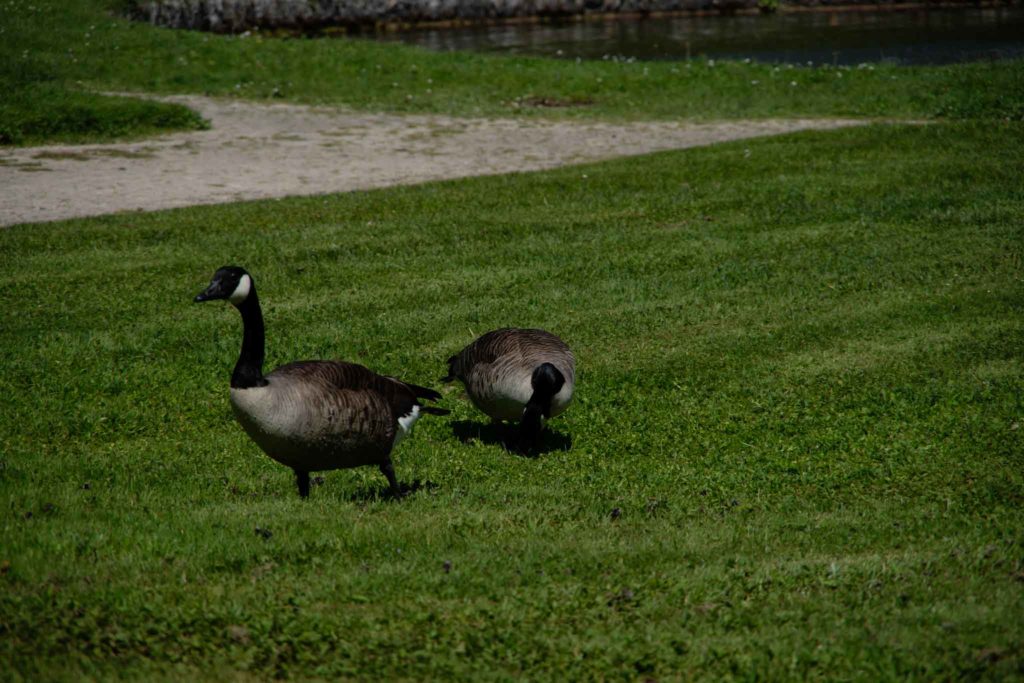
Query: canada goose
314	415
517	374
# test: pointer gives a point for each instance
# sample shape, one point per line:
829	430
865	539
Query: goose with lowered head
523	375
314	415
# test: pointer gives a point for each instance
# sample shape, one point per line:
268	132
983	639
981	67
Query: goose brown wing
353	379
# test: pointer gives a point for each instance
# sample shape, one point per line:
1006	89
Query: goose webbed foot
302	479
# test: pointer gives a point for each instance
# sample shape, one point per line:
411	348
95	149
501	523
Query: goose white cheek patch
241	291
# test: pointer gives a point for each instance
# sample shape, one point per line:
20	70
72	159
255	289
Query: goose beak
207	294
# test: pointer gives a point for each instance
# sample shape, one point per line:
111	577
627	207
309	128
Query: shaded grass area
800	389
39	106
86	44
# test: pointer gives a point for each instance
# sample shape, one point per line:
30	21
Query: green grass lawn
800	384
86	46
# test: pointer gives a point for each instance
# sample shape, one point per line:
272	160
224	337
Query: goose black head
231	283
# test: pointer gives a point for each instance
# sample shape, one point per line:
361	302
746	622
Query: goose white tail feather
405	424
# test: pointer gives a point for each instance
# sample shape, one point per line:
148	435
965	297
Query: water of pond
937	36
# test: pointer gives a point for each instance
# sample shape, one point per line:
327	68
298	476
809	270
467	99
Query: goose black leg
302	478
388	470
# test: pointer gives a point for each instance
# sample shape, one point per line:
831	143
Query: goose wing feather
350	380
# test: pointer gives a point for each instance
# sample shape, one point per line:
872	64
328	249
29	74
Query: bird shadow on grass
507	436
374	493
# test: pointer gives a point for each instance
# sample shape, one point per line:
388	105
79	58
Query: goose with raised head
317	414
523	375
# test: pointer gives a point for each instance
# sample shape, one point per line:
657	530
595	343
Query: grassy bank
800	387
42	103
42	112
86	45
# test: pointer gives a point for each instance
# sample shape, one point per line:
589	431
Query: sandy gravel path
256	151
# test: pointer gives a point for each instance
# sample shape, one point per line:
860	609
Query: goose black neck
532	421
547	380
249	368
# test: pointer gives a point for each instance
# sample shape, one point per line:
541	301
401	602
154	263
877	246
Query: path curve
257	151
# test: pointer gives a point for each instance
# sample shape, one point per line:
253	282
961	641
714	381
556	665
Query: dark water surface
938	36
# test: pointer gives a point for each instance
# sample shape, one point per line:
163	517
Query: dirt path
256	151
